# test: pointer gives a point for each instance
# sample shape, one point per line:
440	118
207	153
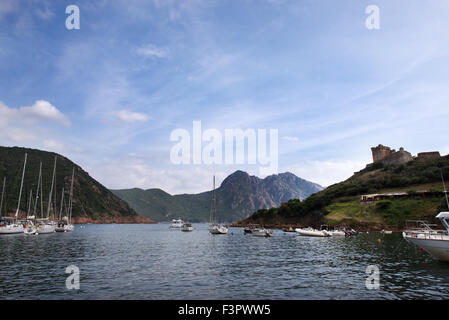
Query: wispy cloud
131	117
151	51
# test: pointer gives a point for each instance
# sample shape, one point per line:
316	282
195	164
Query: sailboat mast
444	186
37	192
3	192
21	185
62	202
71	197
51	189
213	201
29	203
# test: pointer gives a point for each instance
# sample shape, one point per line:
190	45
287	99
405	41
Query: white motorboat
386	231
12	226
215	228
435	242
311	232
176	223
262	232
187	227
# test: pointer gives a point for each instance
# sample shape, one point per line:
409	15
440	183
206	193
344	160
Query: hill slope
92	202
238	196
340	203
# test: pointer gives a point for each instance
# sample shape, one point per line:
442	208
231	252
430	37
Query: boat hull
437	248
12	229
46	229
261	233
312	233
218	230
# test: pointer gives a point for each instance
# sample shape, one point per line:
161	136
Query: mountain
92	202
408	191
238	196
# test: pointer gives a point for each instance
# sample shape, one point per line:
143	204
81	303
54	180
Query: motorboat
435	242
262	232
176	223
386	231
187	227
311	232
248	229
289	229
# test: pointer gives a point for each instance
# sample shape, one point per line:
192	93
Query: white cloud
288	138
150	51
42	110
131	117
54	145
21	125
327	173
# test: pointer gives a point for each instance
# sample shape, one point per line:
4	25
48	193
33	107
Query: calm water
153	262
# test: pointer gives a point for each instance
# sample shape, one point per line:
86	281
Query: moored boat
176	223
262	232
187	227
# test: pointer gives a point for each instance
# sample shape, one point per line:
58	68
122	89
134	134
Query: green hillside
91	200
340	203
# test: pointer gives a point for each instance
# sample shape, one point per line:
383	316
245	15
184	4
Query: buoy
420	249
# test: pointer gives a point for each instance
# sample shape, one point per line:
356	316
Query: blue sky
109	94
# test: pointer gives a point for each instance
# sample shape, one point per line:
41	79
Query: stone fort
389	156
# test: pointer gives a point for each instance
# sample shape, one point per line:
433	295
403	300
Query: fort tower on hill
389	156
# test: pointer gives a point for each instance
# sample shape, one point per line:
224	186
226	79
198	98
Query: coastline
118	220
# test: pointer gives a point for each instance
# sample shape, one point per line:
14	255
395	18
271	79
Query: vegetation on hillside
91	199
341	201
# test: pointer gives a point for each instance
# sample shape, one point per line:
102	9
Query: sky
109	94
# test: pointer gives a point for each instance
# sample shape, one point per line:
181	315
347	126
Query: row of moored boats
31	224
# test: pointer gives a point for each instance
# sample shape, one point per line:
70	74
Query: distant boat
176	223
215	228
12	225
386	231
65	223
187	227
248	229
45	225
262	232
311	232
289	229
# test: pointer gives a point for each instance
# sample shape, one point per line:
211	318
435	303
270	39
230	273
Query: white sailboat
214	227
65	224
12	227
44	225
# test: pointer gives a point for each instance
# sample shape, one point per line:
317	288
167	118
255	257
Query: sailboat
215	228
6	225
65	224
44	225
